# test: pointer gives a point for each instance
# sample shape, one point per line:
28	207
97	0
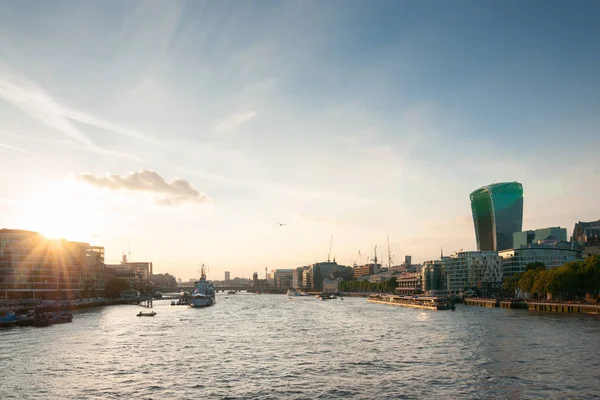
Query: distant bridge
249	289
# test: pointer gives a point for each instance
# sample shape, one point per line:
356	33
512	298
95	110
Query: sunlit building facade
409	283
497	214
33	266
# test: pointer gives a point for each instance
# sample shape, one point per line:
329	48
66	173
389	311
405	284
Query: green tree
590	276
114	287
527	280
510	286
540	283
392	284
535	266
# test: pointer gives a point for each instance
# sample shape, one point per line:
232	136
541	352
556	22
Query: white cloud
235	120
33	100
167	193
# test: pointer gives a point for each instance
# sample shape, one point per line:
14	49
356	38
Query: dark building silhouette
497	214
587	233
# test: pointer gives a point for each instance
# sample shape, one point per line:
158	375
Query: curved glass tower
497	213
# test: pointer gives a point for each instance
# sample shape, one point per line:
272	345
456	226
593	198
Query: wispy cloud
8	146
91	120
167	193
32	99
235	120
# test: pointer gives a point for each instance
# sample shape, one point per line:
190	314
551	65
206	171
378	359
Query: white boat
204	292
294	292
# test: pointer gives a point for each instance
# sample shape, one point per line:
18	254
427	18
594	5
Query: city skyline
187	132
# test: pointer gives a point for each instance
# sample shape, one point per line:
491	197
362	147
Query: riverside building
137	273
467	270
33	266
516	260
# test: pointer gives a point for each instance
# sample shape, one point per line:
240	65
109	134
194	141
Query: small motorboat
146	314
8	319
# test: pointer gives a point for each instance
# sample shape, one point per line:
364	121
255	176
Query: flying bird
280	224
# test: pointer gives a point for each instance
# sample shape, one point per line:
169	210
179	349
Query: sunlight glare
61	211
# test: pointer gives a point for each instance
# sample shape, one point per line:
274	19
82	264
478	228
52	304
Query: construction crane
375	259
329	254
389	253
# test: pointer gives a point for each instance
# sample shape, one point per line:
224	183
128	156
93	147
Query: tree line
572	281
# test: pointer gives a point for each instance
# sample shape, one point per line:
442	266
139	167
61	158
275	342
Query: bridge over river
232	288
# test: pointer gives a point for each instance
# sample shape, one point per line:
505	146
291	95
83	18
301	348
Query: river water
251	346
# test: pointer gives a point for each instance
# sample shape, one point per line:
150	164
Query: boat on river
8	319
294	293
420	302
204	292
146	314
326	296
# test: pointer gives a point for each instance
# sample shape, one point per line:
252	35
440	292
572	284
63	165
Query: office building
526	238
497	214
164	281
33	266
227	276
515	260
137	273
283	278
327	269
409	283
434	278
470	270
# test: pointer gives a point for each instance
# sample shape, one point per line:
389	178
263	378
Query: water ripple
263	347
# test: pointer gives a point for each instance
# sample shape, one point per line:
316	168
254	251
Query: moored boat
420	302
8	319
204	292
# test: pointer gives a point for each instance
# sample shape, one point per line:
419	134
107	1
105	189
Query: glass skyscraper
497	214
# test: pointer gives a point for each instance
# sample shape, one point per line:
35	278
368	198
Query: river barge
420	302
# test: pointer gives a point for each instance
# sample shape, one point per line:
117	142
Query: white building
472	269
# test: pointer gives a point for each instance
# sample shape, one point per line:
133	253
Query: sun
61	211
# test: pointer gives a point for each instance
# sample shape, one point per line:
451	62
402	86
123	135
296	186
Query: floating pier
564	307
535	306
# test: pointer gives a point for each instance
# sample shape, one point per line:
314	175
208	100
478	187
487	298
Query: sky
183	133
